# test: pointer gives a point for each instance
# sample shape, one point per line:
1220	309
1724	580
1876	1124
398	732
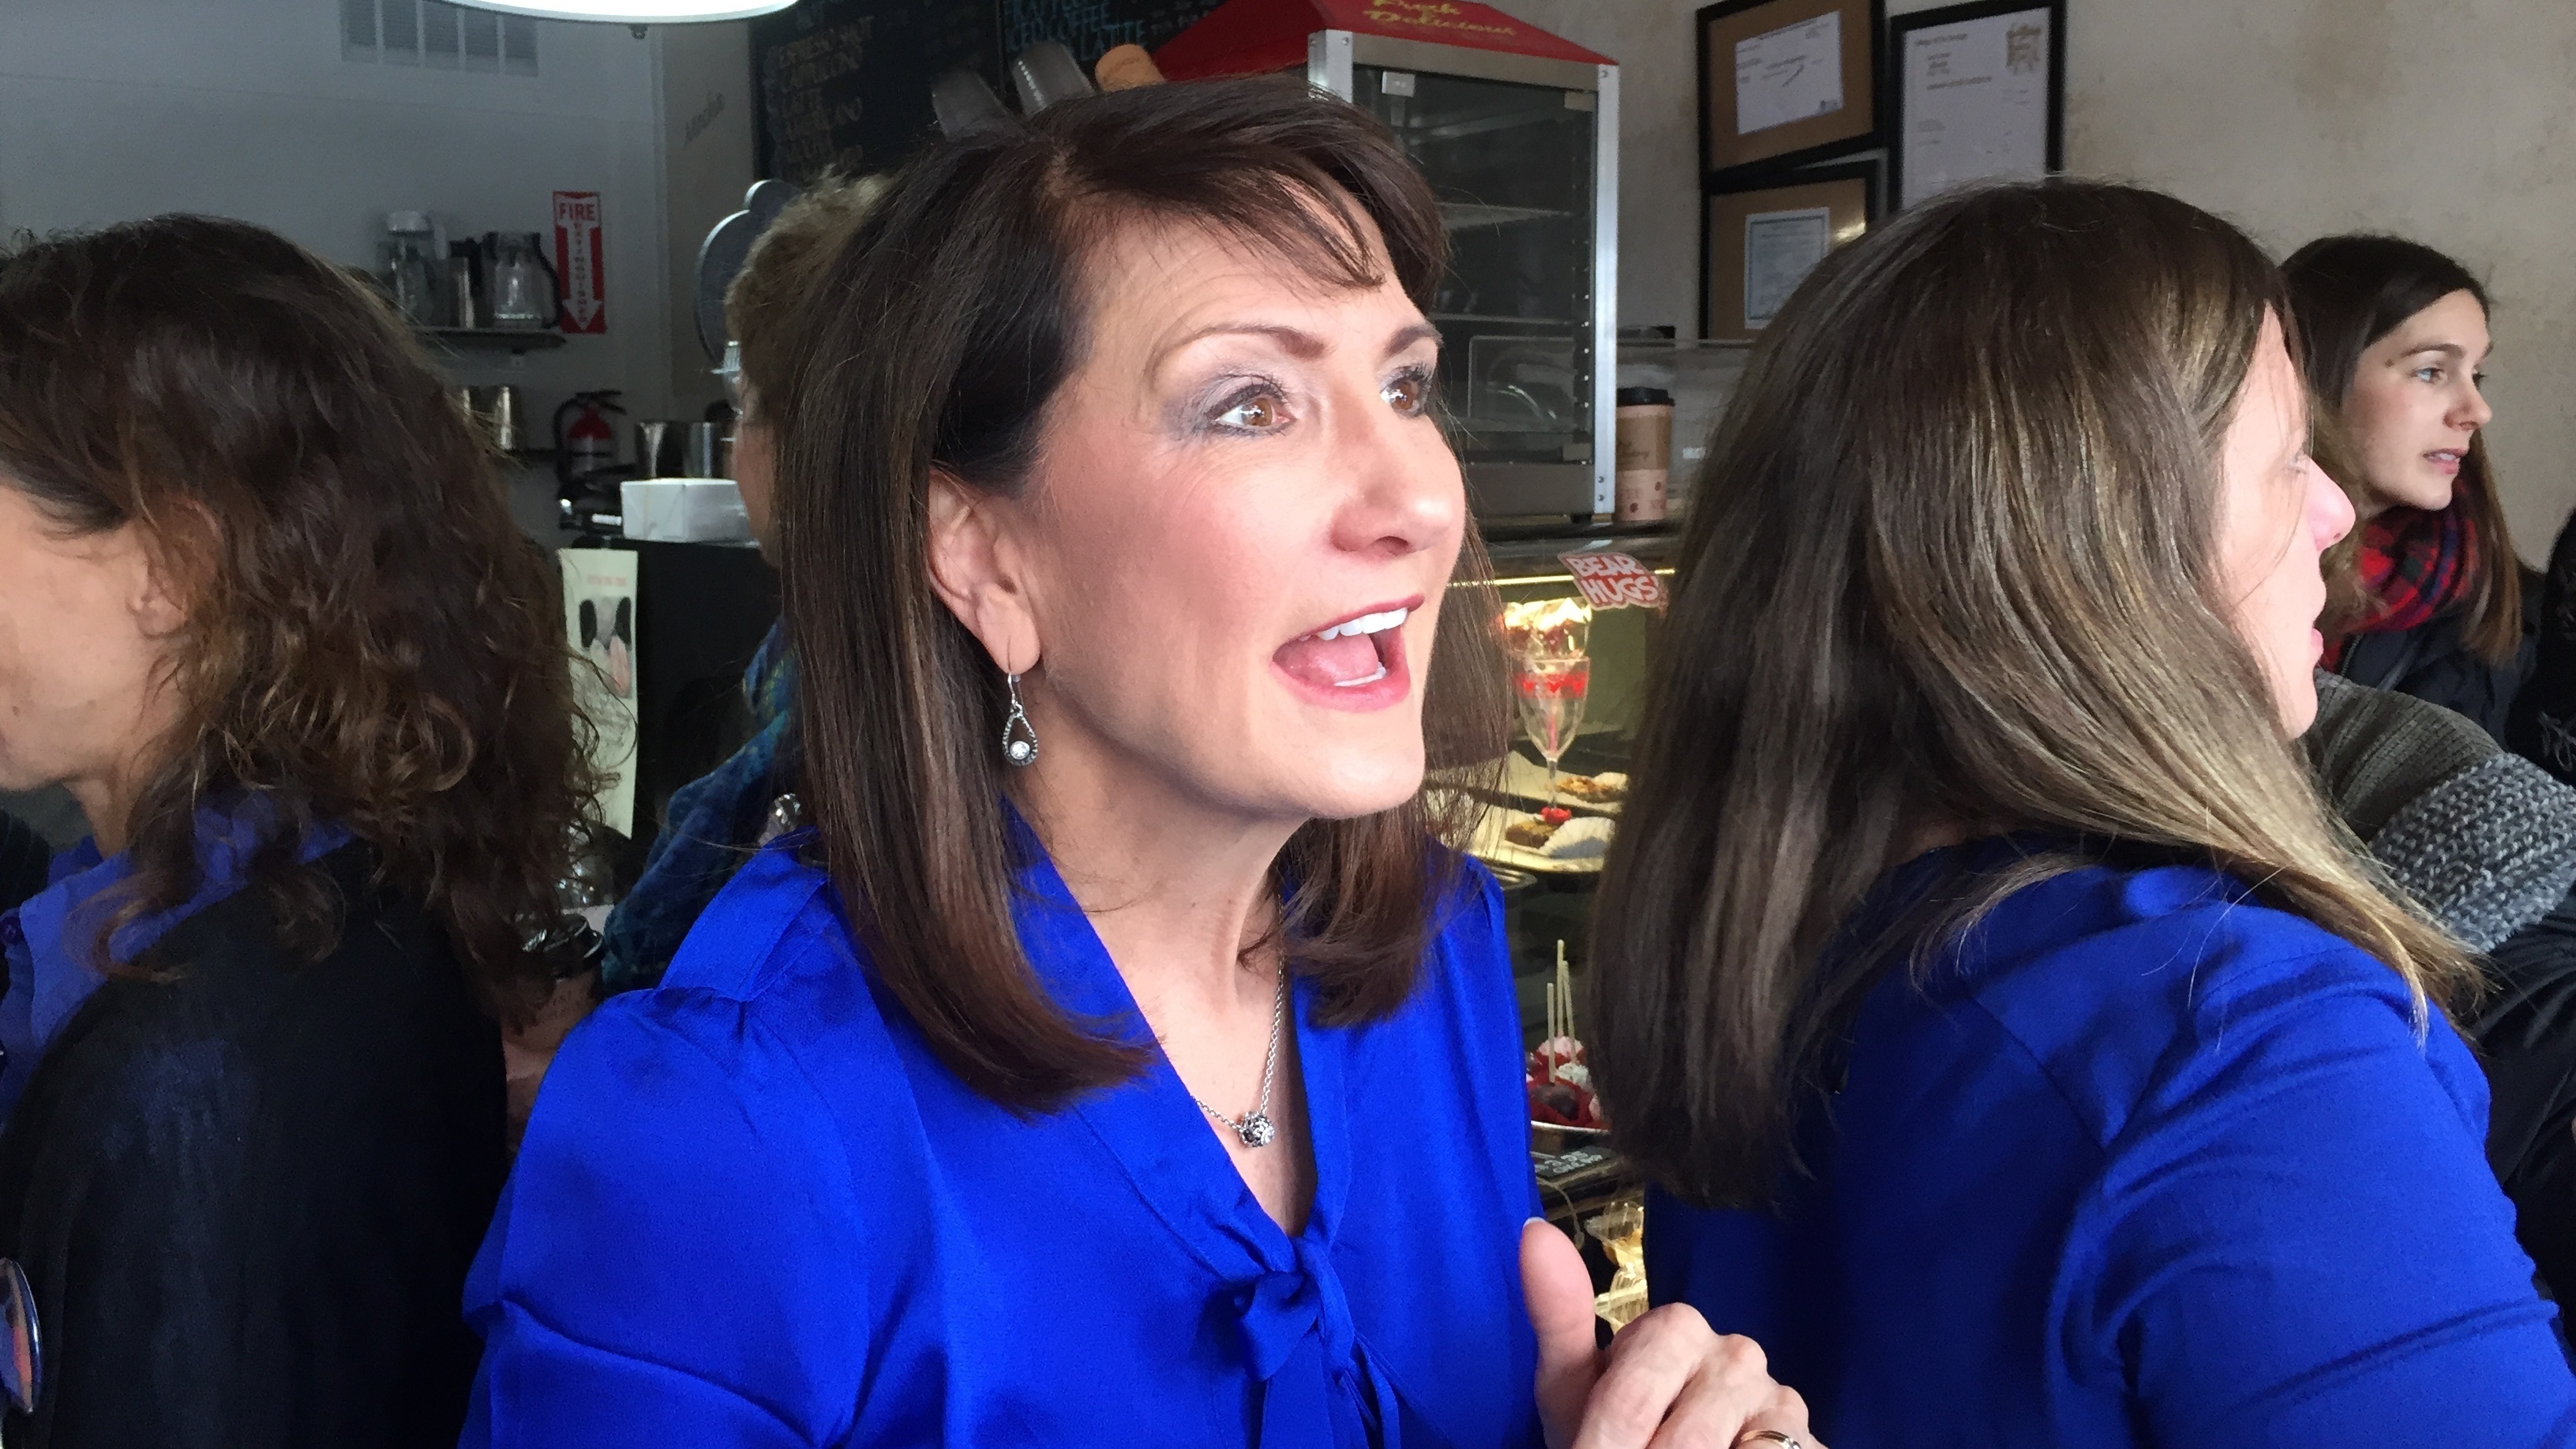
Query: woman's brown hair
1952	564
370	640
936	338
775	284
2347	292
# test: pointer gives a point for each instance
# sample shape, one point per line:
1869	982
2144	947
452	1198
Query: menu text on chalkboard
1088	27
845	84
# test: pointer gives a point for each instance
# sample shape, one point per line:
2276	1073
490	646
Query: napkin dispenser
684	510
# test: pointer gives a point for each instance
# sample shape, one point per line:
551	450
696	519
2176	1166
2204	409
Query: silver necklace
1255	1127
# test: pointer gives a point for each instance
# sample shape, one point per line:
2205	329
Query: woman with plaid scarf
2394	336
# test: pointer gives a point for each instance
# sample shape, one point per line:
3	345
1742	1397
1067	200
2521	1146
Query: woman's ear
156	596
975	571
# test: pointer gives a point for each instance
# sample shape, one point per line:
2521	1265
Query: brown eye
1409	394
1254	413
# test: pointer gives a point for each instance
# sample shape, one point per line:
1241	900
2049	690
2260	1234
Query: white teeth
1365	624
1356	683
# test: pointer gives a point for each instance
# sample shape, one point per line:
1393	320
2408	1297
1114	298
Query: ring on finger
1771	1436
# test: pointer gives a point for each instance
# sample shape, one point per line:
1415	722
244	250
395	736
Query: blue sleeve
1495	1005
2299	1244
677	1258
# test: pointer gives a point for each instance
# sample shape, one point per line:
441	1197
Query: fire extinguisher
586	446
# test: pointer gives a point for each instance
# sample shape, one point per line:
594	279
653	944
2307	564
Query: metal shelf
1472	215
1598	531
1428	129
494	339
1512	321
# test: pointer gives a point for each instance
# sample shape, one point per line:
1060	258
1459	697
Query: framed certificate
1977	93
1786	82
1758	241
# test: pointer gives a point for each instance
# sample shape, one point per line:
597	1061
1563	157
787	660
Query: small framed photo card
1978	94
1786	82
1759	241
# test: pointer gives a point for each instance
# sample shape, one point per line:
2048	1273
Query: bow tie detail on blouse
1317	1387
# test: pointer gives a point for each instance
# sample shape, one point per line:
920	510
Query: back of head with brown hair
941	331
773	293
370	639
1954	562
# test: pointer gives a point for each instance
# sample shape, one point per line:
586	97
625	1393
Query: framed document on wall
1977	93
1785	82
1757	242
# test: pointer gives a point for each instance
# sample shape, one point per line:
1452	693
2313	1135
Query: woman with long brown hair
264	614
716	821
2020	1051
1124	1058
2428	597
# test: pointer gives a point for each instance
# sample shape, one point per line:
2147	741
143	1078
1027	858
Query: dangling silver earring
1022	750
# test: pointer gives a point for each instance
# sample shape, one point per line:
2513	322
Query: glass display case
1579	685
1523	153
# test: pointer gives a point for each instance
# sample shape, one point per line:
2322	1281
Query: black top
2543	723
23	858
2527	1034
2431	662
246	1198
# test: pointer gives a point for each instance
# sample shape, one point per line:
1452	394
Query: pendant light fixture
633	12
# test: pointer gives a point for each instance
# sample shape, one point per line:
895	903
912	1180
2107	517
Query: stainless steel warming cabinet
1518	133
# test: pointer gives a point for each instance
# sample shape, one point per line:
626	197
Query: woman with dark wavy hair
264	614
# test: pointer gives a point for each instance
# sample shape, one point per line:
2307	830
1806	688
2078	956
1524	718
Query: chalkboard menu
846	83
1088	27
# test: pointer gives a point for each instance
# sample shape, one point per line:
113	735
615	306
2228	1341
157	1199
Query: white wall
706	125
2453	123
114	109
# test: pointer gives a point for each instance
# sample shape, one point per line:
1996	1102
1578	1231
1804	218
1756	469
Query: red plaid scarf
2416	564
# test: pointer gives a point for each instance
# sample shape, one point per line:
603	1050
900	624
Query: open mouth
1355	652
2446	459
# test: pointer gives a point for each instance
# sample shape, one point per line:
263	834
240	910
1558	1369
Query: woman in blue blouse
1121	1059
2027	1060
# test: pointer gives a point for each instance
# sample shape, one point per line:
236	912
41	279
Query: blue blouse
2140	1162
752	1208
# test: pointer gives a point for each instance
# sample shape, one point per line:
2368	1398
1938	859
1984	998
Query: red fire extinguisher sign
581	262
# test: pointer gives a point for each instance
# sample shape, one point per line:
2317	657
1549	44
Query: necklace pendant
1255	1130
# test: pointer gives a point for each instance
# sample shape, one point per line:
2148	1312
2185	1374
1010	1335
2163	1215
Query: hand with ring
1666	1380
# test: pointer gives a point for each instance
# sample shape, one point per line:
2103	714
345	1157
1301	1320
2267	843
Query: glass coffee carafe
520	285
413	265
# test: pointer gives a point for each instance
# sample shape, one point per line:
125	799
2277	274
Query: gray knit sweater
2484	839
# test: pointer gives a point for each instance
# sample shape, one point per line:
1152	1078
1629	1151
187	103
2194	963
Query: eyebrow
1418	332
1297	342
2447	349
